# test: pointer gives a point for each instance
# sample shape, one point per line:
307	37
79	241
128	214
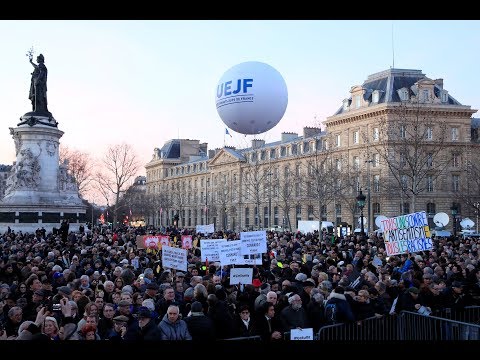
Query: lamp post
369	207
361	204
454	211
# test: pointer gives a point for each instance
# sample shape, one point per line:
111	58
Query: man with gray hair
262	298
294	316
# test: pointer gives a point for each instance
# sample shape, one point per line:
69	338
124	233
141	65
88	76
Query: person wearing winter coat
172	327
343	311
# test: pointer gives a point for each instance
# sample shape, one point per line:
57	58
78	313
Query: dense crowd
98	285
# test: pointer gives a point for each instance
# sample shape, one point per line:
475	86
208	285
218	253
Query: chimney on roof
439	83
211	153
288	136
311	131
257	143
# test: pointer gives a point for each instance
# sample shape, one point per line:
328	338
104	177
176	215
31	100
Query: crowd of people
98	285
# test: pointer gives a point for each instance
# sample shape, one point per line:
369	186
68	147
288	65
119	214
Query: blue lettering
246	84
219	90
227	88
238	87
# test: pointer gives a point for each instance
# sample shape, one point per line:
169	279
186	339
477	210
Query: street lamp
369	206
454	211
361	204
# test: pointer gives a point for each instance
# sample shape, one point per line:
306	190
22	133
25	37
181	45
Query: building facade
400	138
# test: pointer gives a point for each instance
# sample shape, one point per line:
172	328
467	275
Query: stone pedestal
40	192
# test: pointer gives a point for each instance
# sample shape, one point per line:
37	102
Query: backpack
331	313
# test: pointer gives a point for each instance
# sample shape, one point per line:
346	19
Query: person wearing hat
148	328
119	328
65	291
456	298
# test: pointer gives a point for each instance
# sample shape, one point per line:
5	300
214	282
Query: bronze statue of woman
38	87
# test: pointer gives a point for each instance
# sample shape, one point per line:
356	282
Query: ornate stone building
400	138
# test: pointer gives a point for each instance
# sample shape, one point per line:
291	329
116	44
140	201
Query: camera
56	307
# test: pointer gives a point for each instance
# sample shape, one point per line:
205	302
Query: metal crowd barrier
469	314
246	338
383	328
405	326
418	327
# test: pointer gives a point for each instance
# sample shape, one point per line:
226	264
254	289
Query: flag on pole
227	133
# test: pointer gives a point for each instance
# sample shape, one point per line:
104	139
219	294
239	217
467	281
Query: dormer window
345	105
357	101
376	97
403	94
425	95
444	96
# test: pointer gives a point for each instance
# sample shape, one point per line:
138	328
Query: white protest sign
241	276
301	334
205	229
210	249
253	242
407	233
174	258
230	253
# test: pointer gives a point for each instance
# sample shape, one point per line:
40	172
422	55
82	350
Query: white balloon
251	97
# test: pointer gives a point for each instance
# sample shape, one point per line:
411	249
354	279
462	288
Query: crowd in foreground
97	285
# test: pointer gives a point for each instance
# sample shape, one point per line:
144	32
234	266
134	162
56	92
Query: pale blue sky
145	82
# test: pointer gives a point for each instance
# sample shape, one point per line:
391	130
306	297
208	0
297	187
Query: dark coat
264	330
150	332
344	311
200	327
292	319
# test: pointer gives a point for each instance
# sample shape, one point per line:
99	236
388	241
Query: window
325	145
376	134
431	208
403	94
283	151
375	160
310	212
356	163
275	215
337	140
324	212
338	209
455	183
405	208
455	160
444	96
297	189
253	157
294	149
454	134
376	208
403	159
429	133
297	169
357	101
338	164
247	216
425	95
429	159
355	137
306	147
375	96
376	183
429	183
318	145
286	171
403	131
298	213
263	155
266	215
404	181
272	154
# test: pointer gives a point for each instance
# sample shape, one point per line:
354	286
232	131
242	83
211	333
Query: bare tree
324	176
116	169
412	142
254	177
80	166
222	197
284	191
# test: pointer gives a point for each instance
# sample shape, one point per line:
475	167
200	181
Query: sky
145	82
